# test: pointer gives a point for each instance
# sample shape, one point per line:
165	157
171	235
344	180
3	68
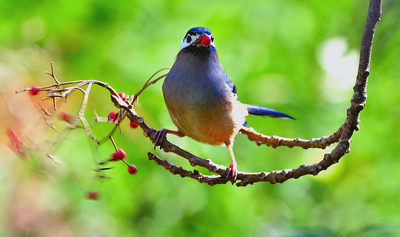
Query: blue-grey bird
201	98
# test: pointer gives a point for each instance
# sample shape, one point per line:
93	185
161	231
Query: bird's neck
193	55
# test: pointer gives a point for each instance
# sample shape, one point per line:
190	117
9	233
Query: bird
201	98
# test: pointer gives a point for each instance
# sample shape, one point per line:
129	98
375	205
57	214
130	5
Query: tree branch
276	141
343	135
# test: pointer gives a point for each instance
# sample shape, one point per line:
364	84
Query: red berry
112	116
119	155
132	169
66	116
114	157
122	95
133	125
34	90
205	40
92	195
121	152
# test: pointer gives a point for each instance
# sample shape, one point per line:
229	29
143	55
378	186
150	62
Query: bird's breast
202	105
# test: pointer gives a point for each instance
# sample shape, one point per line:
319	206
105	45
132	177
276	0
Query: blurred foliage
299	57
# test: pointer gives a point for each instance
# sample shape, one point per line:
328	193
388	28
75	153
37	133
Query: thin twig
53	75
149	82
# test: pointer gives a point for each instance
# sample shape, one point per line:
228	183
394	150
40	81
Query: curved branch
211	180
343	134
275	141
351	124
359	98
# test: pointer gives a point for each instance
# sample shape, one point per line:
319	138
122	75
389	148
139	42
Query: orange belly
216	126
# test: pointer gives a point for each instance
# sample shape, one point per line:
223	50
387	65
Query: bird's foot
160	136
232	171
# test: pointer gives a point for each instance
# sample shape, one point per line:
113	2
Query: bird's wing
231	85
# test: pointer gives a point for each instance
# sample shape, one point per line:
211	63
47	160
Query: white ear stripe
190	39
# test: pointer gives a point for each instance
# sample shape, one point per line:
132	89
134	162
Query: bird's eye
212	38
188	39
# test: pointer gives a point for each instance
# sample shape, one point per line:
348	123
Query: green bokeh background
299	57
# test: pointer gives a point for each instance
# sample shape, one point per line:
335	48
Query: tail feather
263	111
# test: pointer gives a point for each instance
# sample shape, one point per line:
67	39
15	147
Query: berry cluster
113	117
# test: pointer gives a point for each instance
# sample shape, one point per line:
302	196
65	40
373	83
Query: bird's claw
232	171
160	135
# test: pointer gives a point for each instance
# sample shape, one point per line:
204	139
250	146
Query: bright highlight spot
340	65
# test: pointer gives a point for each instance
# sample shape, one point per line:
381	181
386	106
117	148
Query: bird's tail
259	110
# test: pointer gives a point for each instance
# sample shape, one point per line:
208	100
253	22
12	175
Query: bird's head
198	37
